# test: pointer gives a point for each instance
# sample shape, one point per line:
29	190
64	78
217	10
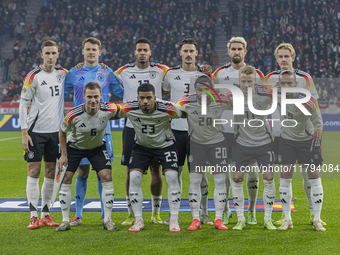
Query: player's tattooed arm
80	65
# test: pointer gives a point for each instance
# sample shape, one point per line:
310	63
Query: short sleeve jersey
229	75
253	130
304	80
131	77
298	126
88	130
178	82
45	91
152	130
202	129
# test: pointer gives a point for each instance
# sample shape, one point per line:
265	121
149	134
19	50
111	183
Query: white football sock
317	197
174	200
219	194
32	192
307	189
195	194
238	197
268	198
156	202
286	197
128	204
107	199
204	195
136	194
180	170
46	196
228	187
252	186
65	200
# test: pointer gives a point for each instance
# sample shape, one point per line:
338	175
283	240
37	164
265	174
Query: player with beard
177	82
285	56
300	141
229	73
131	76
154	141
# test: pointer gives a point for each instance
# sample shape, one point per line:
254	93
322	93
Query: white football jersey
201	127
131	77
305	124
87	130
180	82
304	80
229	75
253	130
152	130
46	93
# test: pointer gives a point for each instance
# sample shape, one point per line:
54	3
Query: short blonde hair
237	40
285	46
248	70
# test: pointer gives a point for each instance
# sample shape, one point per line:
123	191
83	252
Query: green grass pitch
90	238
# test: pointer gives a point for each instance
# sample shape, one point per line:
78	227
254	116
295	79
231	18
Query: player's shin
100	192
80	192
307	189
174	199
286	197
32	191
136	194
219	194
180	170
228	188
156	202
238	197
195	194
268	198
317	197
107	198
252	186
204	195
65	201
46	196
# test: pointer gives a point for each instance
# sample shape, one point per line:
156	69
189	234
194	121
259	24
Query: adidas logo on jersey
174	165
224	162
177	78
132	77
81	78
194	112
43	83
82	125
137	120
108	163
226	78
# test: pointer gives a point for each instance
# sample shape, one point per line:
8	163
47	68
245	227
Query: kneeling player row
154	139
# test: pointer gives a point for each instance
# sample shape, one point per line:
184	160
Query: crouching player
154	140
89	122
298	143
207	146
253	141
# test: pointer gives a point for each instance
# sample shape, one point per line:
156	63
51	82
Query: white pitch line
11	138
